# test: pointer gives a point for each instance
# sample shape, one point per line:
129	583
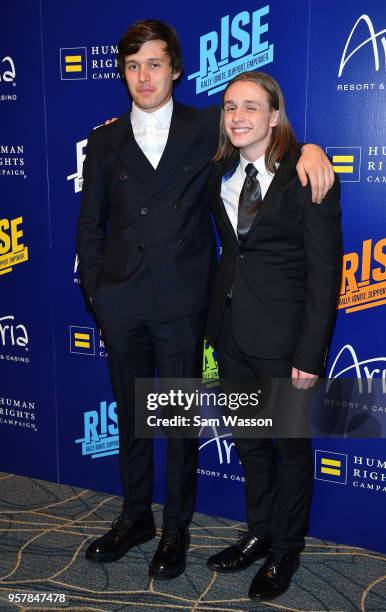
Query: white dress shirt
151	130
232	185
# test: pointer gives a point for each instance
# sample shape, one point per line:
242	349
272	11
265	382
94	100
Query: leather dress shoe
274	576
169	560
123	535
241	555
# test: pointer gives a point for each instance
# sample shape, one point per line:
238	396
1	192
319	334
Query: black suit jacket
145	240
285	275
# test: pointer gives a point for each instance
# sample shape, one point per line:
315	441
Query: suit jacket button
188	168
241	256
181	241
141	247
123	177
144	211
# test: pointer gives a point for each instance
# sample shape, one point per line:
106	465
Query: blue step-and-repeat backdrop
58	80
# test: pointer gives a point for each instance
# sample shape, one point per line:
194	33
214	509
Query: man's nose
238	115
143	73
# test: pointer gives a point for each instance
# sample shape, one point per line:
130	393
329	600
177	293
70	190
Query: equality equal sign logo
73	63
331	467
82	340
346	162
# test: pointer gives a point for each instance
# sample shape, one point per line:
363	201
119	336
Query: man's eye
229	108
131	67
251	108
155	65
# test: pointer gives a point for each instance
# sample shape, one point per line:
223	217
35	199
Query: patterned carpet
46	528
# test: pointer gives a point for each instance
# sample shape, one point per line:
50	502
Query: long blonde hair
283	138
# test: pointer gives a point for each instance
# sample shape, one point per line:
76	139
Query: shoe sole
235	571
109	557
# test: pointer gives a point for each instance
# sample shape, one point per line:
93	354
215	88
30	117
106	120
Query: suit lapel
182	133
283	175
130	153
227	167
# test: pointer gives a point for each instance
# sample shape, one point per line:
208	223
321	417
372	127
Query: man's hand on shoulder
315	166
108	121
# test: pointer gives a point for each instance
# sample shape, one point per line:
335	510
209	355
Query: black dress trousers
278	473
136	348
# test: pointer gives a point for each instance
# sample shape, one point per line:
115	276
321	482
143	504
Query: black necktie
249	202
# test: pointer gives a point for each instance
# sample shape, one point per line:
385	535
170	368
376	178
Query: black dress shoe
235	558
169	560
274	576
123	535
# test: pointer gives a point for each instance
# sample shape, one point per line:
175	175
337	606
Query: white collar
160	117
259	164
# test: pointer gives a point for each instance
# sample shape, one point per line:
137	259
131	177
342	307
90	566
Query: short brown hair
283	138
145	31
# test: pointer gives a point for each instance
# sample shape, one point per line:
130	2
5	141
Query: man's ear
274	118
176	74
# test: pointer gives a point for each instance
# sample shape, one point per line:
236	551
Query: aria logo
239	45
222	443
12	334
13	337
100	437
7	76
225	456
361	371
355	395
7	71
375	41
